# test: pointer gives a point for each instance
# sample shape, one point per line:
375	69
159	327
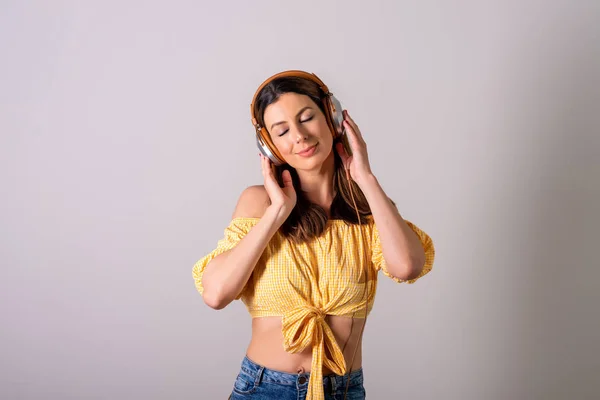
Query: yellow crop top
304	282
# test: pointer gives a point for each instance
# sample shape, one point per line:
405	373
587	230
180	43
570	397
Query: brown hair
308	220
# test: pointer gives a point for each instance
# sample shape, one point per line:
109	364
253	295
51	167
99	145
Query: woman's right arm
226	275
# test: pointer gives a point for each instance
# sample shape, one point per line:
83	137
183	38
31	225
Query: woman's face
299	130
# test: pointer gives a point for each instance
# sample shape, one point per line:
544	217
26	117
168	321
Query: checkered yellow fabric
303	283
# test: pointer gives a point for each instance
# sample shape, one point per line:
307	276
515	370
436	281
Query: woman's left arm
401	247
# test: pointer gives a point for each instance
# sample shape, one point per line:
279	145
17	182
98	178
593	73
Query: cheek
284	145
326	136
325	131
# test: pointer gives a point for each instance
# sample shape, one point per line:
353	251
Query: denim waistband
330	381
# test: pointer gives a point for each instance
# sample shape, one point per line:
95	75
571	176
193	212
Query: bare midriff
266	346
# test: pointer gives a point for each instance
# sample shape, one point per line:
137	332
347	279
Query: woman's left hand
358	162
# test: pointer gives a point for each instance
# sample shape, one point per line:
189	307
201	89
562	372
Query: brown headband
261	132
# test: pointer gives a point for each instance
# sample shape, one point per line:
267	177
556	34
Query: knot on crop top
303	326
288	277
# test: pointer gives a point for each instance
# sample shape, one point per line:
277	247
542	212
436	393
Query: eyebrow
299	112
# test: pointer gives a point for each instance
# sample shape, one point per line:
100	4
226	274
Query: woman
302	250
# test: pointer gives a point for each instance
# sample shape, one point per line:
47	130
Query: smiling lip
308	151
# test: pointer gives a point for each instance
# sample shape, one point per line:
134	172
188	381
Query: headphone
335	118
333	115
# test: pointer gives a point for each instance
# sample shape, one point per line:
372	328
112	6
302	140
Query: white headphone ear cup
264	149
337	115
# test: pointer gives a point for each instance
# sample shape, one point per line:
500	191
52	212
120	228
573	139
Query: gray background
126	140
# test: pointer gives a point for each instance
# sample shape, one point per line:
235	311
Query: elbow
213	300
215	305
215	297
413	274
409	270
415	268
213	293
414	265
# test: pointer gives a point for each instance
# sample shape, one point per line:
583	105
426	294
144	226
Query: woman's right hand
283	199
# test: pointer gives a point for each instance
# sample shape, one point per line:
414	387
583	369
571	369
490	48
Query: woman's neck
317	185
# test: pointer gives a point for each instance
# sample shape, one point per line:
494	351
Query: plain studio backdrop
126	141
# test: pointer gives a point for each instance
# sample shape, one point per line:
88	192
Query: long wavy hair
308	220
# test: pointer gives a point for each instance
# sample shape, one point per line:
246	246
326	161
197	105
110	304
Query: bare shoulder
253	202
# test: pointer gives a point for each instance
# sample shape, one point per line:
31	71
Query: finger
269	171
287	179
353	124
272	171
354	139
342	152
266	170
348	117
354	127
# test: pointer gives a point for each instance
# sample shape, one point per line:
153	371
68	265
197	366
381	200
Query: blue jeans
255	382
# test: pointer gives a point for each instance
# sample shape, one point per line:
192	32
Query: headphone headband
332	107
290	73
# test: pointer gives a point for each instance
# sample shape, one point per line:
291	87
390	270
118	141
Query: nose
299	135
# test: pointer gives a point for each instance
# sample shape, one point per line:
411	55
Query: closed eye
306	120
